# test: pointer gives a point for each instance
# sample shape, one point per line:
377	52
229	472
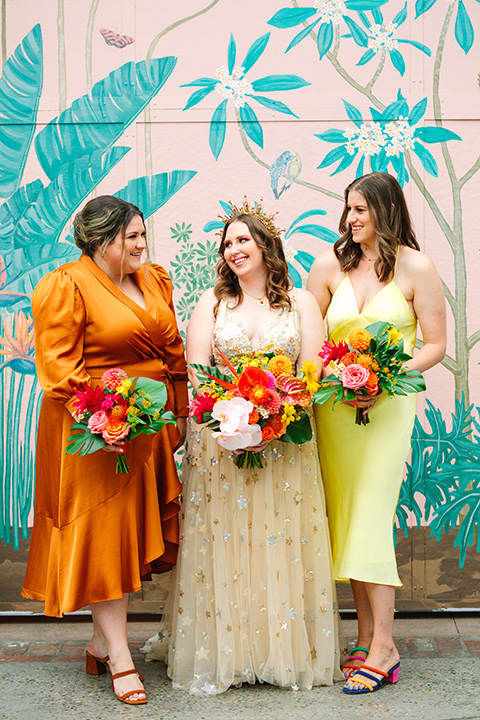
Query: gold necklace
260	301
369	260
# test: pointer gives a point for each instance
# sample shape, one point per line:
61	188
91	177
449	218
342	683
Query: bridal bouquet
371	361
122	409
260	400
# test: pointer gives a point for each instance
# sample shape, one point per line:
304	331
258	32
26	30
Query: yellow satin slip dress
363	465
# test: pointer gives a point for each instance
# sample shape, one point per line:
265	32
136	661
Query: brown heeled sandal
95	665
125	696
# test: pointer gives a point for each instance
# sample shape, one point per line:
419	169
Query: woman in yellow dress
375	272
97	534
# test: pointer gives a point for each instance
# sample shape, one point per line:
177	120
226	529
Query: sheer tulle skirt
252	596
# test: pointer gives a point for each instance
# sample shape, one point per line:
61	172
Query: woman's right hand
117	447
363	401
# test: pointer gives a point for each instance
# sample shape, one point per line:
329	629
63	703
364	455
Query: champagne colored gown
362	466
97	534
252	597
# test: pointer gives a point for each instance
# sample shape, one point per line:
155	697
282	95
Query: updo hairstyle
100	221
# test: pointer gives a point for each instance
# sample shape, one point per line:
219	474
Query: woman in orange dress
96	533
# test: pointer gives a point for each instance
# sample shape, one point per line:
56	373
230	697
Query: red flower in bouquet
331	351
89	399
251	378
201	404
118	411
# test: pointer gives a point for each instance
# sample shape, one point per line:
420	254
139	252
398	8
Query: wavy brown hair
278	281
390	219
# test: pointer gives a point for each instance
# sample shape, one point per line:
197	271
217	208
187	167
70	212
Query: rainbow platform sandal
391	677
354	657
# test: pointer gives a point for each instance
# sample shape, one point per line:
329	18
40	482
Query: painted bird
288	165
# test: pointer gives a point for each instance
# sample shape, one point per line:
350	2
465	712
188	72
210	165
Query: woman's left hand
182	432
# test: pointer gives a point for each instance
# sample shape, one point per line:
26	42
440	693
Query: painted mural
182	107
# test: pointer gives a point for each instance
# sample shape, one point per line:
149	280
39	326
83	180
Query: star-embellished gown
362	466
97	534
252	596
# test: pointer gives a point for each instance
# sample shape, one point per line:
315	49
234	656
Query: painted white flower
232	86
383	38
370	138
331	11
235	433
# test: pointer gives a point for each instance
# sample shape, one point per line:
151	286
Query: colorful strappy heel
391	677
354	657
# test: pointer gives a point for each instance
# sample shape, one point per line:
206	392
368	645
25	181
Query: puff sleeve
174	352
59	322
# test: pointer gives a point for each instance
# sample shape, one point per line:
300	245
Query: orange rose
359	339
349	358
268	433
253	417
115	430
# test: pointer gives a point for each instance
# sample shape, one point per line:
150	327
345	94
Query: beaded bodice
229	336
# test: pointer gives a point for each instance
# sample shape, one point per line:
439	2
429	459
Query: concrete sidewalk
42	677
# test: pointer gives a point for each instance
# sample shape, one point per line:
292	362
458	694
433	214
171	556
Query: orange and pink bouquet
370	363
120	410
261	400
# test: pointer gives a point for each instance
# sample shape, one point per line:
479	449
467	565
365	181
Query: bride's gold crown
257	211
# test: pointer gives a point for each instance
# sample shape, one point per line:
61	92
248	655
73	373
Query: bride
252	596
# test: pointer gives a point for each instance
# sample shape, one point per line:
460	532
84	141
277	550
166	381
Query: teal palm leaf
12	211
44	220
32	264
96	121
151	193
20	89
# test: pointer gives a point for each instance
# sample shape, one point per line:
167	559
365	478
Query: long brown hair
278	281
390	219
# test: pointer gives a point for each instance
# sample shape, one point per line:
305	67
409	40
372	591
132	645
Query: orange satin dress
97	534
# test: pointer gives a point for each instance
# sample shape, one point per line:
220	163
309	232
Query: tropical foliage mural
186	108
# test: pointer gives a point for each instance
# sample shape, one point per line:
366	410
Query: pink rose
354	376
97	422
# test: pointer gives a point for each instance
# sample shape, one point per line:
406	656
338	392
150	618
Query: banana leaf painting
76	152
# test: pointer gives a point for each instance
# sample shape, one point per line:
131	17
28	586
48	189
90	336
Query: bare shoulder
304	299
415	263
326	262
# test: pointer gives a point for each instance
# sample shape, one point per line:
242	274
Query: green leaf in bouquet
203	372
155	388
328	387
413	381
299	431
84	443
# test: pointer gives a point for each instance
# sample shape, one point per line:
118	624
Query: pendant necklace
369	260
260	301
